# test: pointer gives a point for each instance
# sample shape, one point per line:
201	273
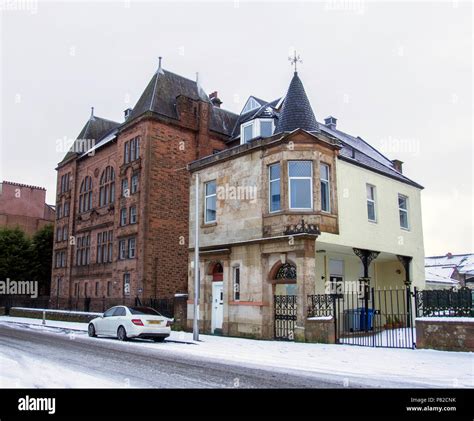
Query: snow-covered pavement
374	367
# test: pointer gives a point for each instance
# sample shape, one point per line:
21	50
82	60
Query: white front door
217	305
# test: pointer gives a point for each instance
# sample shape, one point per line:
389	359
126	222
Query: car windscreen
144	310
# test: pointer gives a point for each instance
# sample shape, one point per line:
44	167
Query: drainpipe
196	263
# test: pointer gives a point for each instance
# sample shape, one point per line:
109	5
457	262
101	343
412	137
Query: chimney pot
215	99
330	122
127	113
398	165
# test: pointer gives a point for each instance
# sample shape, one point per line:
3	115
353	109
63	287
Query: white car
131	322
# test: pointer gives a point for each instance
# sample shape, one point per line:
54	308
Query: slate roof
160	97
95	129
160	94
296	111
222	121
359	152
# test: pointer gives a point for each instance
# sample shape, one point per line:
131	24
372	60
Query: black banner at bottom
244	404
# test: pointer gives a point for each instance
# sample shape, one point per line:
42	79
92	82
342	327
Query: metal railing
444	303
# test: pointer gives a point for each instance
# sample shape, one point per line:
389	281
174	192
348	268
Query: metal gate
375	317
284	316
369	316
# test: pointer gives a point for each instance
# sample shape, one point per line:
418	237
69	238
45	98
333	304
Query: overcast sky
397	74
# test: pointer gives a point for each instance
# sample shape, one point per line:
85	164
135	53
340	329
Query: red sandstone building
122	196
25	207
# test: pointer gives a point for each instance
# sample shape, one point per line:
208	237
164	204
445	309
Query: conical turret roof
296	111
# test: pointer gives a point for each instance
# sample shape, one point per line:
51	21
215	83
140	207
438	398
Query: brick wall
24	206
160	267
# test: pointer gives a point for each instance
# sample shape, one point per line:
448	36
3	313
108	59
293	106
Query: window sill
248	303
208	224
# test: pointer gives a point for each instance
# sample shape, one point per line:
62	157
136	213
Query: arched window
85	195
107	187
217	272
286	271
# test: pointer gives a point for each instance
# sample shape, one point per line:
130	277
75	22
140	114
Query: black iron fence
444	302
164	306
8	301
284	317
368	316
385	317
87	304
321	305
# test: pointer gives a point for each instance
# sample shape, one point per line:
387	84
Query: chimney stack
330	122
215	99
398	165
127	113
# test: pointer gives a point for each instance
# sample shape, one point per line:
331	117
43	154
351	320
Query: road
138	367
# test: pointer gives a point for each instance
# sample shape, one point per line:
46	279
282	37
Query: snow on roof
448	260
440	274
467	265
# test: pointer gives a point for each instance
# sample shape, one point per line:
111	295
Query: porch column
405	261
366	256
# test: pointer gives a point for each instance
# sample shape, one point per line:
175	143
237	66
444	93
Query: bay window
300	184
274	187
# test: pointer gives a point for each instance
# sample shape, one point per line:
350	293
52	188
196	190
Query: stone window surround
284	181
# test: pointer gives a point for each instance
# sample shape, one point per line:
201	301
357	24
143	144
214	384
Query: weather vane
295	60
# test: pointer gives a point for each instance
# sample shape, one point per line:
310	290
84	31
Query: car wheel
91	330
122	334
158	339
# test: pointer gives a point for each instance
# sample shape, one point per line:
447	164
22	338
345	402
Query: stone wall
447	334
320	330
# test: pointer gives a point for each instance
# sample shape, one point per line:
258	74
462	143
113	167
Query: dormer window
259	127
250	105
247	131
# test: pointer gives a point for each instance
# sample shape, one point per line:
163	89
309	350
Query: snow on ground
19	371
49	323
88	313
403	337
380	366
447	319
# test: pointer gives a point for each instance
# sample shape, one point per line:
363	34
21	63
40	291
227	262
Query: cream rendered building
295	208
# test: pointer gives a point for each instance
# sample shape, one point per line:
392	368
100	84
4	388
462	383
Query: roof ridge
176	74
224	109
14	183
107	119
363	140
371	147
156	76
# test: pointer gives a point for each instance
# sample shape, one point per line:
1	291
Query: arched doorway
283	276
